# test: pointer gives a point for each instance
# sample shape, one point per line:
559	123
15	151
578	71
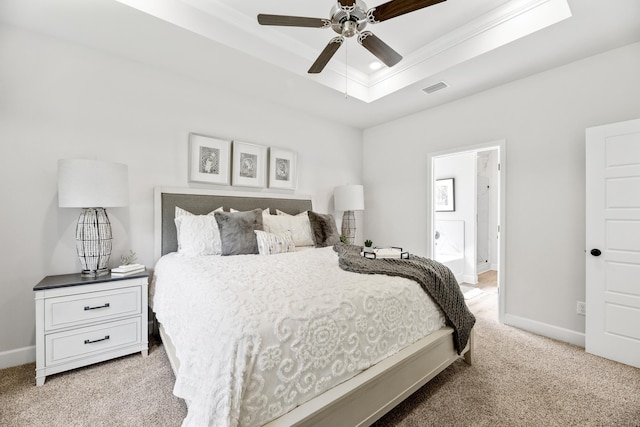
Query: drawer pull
106	337
95	308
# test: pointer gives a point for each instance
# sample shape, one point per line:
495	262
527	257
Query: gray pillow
325	232
236	231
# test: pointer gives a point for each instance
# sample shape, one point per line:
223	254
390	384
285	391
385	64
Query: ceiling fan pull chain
346	64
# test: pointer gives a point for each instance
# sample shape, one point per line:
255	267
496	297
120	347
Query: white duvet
258	335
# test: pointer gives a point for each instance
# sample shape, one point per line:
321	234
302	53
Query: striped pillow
269	243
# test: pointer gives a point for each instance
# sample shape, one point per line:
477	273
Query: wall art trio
216	161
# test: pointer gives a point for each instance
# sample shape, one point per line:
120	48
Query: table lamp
349	198
93	186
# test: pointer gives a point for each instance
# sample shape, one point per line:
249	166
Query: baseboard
18	356
544	329
482	268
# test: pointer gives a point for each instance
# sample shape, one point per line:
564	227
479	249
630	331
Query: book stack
127	270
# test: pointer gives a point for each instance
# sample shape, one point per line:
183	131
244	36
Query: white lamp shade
84	183
349	198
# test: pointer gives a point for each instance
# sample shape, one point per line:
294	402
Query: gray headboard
202	202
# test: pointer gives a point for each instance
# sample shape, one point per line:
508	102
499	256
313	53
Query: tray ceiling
430	40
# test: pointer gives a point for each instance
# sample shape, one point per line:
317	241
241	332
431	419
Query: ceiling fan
348	18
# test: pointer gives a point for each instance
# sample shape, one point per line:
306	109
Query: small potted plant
368	246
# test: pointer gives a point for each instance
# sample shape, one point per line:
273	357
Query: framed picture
445	199
283	168
249	165
209	159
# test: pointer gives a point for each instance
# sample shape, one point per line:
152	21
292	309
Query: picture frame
249	165
209	159
444	195
283	168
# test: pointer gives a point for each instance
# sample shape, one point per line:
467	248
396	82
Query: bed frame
364	398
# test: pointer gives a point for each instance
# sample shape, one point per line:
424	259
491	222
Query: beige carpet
519	379
129	391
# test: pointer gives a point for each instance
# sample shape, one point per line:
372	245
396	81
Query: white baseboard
481	268
540	328
18	356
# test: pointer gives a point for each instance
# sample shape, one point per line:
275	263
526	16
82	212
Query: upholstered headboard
202	202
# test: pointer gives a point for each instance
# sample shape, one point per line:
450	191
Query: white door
613	242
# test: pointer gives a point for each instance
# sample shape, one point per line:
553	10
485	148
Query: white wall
60	100
461	167
543	120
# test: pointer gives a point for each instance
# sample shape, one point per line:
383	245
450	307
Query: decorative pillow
237	231
298	225
325	232
269	243
197	234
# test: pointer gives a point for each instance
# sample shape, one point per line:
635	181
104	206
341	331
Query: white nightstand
80	321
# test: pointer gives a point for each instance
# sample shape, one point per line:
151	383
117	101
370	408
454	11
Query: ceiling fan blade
394	8
326	54
380	49
292	21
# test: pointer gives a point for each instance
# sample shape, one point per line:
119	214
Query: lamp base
95	273
349	226
93	241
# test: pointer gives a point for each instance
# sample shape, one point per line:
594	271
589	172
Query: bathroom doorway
467	215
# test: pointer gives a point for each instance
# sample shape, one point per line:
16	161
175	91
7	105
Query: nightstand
80	320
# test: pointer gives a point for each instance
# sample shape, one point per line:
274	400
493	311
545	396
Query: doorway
468	233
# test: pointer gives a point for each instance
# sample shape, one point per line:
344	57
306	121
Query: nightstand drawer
63	347
79	309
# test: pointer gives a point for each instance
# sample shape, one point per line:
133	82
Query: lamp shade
84	183
349	198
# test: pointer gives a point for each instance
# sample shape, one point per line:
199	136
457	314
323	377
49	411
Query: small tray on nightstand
381	253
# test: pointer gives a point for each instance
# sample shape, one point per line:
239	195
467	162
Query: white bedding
258	335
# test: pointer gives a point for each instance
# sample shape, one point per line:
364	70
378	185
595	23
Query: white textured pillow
298	225
269	243
197	234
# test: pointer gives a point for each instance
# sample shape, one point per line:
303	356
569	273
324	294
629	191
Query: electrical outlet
581	308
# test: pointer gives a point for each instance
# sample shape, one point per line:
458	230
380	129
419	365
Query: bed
357	390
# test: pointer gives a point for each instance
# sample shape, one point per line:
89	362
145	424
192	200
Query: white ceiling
472	45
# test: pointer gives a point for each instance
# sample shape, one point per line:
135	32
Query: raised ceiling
472	45
430	40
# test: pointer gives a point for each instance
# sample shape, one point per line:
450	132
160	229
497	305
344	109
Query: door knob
596	252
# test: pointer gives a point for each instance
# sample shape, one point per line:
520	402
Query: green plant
368	243
343	239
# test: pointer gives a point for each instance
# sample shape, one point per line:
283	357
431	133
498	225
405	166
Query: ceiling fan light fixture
375	65
349	28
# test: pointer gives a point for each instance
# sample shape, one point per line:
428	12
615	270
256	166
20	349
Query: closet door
613	242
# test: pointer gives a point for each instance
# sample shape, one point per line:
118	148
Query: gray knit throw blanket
434	278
